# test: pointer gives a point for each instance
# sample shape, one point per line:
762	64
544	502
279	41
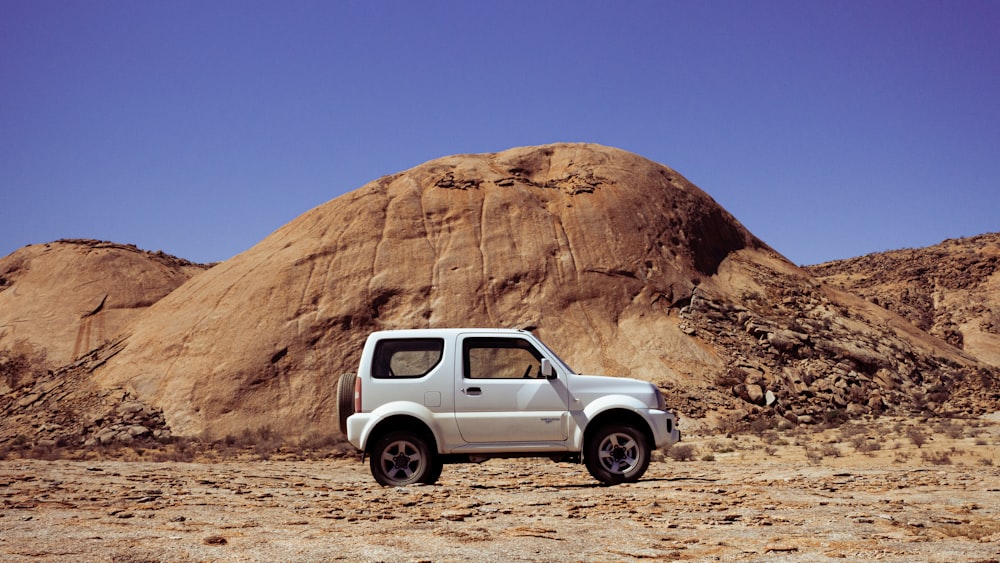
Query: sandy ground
740	498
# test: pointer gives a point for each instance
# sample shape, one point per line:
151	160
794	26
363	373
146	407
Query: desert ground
887	490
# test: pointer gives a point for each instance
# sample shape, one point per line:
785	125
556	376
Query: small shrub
682	452
764	424
722	447
916	436
830	450
22	364
939	458
864	445
950	429
835	417
849	431
732	424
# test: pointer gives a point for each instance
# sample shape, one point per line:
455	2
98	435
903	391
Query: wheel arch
405	422
617	416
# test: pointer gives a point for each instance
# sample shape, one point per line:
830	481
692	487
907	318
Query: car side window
500	358
406	357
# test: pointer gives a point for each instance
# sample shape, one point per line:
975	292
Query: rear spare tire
345	399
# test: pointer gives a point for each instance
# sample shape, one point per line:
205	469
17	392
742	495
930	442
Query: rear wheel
403	458
617	453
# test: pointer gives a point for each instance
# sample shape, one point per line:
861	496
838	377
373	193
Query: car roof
441	332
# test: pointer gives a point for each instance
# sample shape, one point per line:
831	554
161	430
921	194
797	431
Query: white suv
423	398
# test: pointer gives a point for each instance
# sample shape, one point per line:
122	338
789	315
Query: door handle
472	391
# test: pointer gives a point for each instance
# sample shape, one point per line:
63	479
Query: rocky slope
58	303
619	263
951	290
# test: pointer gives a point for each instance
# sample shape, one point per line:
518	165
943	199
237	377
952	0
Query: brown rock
949	289
619	263
590	245
69	296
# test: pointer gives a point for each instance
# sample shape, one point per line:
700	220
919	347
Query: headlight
661	401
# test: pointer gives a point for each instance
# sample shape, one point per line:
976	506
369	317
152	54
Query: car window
500	358
408	357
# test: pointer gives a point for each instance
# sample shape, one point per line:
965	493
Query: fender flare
400	411
596	409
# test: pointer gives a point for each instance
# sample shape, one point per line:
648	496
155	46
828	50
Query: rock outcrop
619	263
71	296
595	248
951	290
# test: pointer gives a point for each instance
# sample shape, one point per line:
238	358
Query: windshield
552	355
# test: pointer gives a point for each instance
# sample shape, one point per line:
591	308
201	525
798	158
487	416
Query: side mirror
548	372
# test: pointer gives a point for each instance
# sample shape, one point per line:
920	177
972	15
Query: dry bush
936	458
866	445
813	455
682	452
732	423
763	424
831	450
917	436
852	430
332	443
834	418
950	429
722	447
22	364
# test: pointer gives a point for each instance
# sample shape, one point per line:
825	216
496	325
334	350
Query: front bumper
664	425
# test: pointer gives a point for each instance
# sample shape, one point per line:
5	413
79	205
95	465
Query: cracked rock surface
745	505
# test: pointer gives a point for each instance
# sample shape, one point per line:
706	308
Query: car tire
617	453
345	399
437	466
403	458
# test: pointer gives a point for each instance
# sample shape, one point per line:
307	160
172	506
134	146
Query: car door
501	396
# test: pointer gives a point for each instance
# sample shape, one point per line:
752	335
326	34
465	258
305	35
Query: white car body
545	412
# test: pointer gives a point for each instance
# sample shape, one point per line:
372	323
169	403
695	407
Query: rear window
406	357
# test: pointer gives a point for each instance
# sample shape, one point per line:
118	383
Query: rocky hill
68	297
59	302
951	290
619	263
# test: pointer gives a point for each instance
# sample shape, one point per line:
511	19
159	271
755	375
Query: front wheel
402	458
617	453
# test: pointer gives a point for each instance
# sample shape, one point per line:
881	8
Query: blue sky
830	129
